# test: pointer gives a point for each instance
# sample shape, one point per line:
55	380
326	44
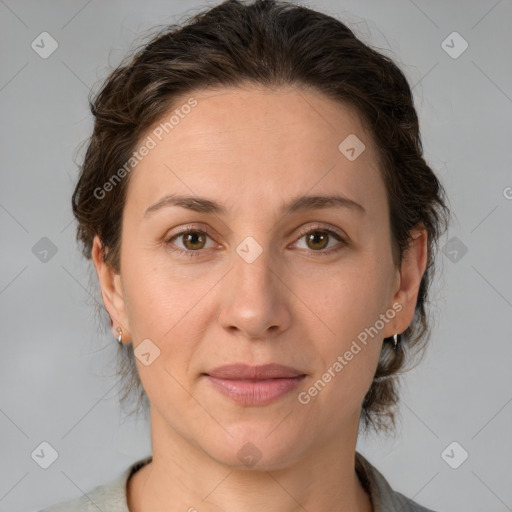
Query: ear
111	290
412	268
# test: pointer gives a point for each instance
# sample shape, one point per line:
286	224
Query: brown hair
268	43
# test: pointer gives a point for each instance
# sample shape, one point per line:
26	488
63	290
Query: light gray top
111	497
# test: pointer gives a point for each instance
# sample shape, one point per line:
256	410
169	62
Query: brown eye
319	239
190	242
193	240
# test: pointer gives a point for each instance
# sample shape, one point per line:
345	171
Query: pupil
192	236
318	235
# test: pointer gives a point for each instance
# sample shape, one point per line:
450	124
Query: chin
258	447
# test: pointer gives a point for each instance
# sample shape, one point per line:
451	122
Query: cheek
160	314
348	308
157	293
349	298
345	365
165	303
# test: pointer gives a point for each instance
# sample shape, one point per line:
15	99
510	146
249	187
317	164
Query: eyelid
335	233
200	228
191	227
322	227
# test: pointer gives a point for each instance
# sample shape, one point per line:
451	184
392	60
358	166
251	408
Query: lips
246	372
254	385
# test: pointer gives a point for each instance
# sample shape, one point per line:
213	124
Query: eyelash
198	253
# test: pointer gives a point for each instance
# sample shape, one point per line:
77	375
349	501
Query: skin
252	150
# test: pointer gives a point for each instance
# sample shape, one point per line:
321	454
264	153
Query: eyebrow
300	203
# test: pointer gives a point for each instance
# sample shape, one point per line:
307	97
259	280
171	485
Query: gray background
56	365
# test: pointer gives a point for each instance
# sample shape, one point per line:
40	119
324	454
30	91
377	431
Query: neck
182	477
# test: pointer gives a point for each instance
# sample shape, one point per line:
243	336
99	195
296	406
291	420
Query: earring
120	337
396	340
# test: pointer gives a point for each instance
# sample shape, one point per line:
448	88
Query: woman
263	223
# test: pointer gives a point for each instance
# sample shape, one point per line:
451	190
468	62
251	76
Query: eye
318	238
193	241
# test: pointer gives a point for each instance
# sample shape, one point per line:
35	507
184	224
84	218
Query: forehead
244	143
243	117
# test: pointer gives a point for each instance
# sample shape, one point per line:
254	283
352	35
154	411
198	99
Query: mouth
254	385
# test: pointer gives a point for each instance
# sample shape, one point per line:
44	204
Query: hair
267	43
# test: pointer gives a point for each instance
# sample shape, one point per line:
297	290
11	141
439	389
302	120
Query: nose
255	298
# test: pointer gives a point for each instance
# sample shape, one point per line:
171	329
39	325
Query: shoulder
384	498
408	505
109	497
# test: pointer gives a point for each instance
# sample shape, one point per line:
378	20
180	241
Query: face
260	277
